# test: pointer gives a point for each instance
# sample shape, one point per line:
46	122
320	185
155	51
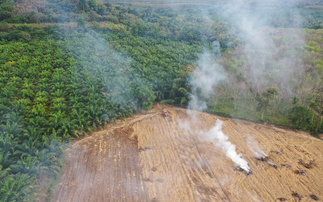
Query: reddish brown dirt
151	158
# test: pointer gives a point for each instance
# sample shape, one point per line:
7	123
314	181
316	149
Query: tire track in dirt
151	158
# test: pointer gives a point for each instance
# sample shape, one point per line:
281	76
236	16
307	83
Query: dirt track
151	158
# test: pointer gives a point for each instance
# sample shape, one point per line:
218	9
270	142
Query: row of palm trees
52	91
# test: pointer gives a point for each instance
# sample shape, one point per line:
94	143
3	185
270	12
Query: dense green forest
69	67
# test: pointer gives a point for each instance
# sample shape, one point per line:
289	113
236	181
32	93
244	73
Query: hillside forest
69	67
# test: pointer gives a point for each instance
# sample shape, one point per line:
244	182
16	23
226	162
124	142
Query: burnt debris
266	159
249	172
308	165
241	170
300	172
295	194
282	199
238	169
286	165
144	149
314	197
263	158
272	165
147	179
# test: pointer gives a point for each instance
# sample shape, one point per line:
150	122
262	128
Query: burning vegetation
265	158
148	165
249	172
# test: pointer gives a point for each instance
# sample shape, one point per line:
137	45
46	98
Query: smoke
203	81
105	69
253	146
205	78
101	62
269	61
220	140
208	75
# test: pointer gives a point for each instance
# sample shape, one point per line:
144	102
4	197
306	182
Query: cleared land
151	158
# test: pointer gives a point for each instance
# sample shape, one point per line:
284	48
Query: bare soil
151	158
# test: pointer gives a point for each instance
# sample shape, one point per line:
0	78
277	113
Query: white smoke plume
203	82
220	140
205	78
208	75
254	147
266	66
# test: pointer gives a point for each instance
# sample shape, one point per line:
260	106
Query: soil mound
151	158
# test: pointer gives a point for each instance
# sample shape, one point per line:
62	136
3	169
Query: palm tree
6	159
13	128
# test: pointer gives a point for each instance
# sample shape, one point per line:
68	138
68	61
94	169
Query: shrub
113	19
300	117
4	28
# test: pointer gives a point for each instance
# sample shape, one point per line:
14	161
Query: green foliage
300	117
5	10
93	4
80	22
265	99
180	91
61	89
58	83
23	157
26	33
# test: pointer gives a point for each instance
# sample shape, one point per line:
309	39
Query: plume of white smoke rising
220	140
253	146
205	78
260	48
208	74
203	82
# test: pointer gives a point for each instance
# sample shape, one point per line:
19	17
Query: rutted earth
151	158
